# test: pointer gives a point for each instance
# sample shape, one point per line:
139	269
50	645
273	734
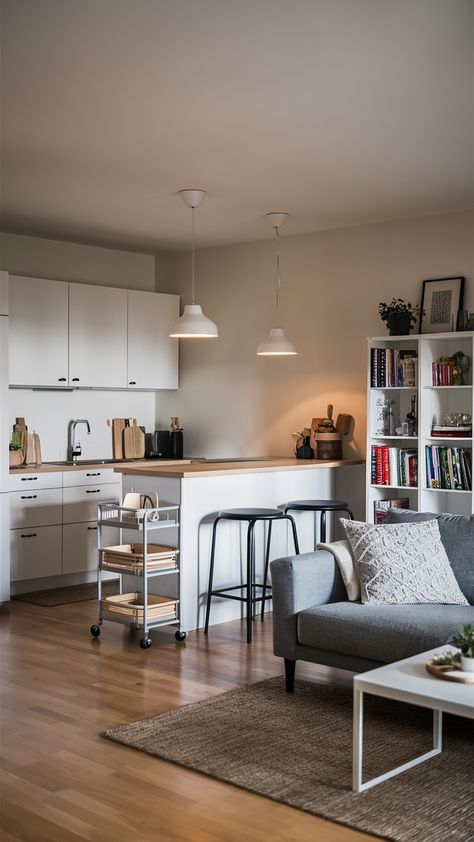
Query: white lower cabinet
35	552
80	520
54	529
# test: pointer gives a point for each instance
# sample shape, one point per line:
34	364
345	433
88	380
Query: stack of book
445	372
391	367
445	432
394	466
449	468
382	506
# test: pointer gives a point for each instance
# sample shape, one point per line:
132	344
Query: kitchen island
201	489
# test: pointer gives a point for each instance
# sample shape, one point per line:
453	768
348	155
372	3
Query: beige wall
60	261
232	402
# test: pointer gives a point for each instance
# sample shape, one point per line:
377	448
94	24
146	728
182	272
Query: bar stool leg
322	527
211	574
295	534
265	572
250	578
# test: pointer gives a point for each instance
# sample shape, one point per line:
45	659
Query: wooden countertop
209	469
46	467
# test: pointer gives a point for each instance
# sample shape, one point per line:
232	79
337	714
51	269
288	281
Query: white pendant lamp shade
193	324
276	344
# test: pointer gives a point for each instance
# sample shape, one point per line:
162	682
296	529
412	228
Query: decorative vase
399	325
467	664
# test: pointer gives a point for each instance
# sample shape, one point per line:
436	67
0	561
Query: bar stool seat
251	516
321	506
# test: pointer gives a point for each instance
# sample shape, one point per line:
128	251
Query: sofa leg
290	675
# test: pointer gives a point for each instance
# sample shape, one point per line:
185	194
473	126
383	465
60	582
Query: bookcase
411	462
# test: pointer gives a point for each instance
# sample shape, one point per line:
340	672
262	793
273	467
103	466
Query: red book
379	466
385	466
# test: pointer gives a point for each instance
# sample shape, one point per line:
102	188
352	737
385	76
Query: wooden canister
328	445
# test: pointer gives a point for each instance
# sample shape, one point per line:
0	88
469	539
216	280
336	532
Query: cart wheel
95	631
145	643
180	635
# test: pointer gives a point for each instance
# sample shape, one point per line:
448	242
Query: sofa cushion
402	563
383	633
457	535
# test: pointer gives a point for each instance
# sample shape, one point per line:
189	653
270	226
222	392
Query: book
382	506
448	468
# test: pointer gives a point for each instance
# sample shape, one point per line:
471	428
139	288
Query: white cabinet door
35	552
80	503
79	547
97	336
152	354
36	507
90	476
38	352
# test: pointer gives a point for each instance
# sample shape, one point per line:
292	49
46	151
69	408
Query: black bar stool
250	598
321	506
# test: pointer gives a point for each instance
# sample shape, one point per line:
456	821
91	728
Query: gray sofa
314	621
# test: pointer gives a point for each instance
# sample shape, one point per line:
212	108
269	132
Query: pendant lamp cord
278	272
192	249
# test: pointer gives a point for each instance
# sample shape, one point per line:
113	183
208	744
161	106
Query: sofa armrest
298	582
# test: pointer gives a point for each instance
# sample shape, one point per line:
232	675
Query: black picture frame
441	298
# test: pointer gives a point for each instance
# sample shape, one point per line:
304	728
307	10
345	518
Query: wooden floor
61	781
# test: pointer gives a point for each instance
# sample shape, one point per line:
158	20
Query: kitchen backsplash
48	413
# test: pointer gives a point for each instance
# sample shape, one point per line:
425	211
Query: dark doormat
297	749
67	595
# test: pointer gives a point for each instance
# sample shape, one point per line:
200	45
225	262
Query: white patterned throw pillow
402	563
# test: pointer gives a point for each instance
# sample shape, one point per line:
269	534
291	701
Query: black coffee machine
164	444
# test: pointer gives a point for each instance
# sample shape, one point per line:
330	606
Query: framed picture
440	301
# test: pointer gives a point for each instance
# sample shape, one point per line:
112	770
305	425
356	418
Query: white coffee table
408	681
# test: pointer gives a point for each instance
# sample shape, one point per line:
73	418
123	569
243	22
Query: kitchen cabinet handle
96	491
30	535
97	474
132	382
29	496
92	528
61	379
75	379
28	479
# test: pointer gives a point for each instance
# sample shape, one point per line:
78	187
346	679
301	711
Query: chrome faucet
74	448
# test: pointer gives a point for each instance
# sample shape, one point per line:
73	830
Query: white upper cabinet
97	336
38	347
152	354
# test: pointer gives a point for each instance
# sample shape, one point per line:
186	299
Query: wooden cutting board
30	456
118	426
133	442
37	448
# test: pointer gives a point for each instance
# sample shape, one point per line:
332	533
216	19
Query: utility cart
143	560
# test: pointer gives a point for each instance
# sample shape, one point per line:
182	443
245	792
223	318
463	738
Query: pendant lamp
276	344
193	324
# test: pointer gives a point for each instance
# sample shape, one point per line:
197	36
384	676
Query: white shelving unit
433	403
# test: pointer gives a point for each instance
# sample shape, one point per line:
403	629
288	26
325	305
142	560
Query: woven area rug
297	749
65	596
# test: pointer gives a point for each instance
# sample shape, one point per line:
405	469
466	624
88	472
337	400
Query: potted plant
465	642
399	316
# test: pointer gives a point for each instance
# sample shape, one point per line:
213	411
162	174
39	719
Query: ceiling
340	112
